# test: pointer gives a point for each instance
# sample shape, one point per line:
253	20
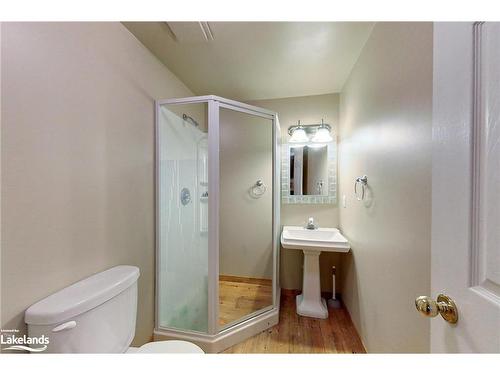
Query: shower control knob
444	305
185	196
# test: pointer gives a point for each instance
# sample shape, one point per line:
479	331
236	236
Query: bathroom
260	187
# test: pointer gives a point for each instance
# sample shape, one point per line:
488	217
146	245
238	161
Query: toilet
95	315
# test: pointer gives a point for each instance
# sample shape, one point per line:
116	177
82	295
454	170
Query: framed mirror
309	173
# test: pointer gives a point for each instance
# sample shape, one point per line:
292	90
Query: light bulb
322	136
299	136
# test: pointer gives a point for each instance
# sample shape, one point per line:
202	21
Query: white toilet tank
94	315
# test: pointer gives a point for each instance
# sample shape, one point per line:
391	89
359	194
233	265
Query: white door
466	185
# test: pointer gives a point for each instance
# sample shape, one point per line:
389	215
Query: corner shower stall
217	220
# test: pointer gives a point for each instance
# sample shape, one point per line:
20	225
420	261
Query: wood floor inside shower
240	296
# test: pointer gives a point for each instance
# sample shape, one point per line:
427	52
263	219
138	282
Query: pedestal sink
312	242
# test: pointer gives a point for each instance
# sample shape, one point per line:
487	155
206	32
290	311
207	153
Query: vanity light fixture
322	134
298	134
301	133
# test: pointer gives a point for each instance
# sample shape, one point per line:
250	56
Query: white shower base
228	337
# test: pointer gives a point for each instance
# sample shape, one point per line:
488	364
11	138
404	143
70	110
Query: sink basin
312	242
322	239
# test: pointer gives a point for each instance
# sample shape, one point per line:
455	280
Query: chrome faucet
310	224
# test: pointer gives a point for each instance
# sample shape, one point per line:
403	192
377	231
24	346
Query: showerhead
190	119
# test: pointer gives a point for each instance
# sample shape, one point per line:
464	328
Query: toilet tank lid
82	296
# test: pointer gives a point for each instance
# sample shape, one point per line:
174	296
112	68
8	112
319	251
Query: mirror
308	170
309	173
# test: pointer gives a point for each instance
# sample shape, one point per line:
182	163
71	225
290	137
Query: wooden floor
298	334
240	296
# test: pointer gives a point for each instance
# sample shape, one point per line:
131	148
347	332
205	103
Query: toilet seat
169	346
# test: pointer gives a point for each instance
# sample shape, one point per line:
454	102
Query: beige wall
309	110
246	223
77	160
386	109
1	230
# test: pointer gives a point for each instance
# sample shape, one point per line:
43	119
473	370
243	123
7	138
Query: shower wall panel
182	214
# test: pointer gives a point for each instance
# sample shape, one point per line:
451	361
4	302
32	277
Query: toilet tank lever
65	326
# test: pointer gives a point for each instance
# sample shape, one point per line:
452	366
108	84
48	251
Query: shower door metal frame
269	116
215	334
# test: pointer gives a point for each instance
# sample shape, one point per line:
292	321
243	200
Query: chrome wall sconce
317	133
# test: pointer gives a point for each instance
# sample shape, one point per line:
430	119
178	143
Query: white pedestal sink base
312	310
310	303
312	242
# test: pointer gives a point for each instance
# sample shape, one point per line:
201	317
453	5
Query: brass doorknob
444	305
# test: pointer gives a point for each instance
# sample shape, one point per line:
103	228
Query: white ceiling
257	60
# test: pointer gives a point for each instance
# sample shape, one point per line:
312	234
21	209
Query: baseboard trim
247	280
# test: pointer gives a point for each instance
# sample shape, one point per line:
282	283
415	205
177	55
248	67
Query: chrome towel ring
258	189
363	181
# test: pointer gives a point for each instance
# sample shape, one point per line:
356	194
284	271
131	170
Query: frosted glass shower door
182	216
